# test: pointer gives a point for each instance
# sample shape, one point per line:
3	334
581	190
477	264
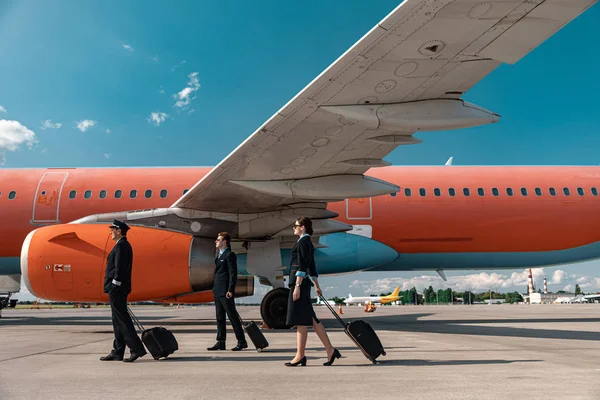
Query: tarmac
433	352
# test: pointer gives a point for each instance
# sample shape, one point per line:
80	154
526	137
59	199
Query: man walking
224	290
117	283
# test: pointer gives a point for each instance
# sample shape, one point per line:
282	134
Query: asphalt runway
433	352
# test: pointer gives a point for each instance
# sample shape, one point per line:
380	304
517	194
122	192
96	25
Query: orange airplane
321	156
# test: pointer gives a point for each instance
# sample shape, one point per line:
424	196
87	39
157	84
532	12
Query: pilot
117	283
224	290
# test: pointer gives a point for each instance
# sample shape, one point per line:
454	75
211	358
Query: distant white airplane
374	299
320	302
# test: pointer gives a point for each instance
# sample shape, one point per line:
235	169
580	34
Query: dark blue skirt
301	312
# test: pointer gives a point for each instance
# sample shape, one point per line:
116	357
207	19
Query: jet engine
67	263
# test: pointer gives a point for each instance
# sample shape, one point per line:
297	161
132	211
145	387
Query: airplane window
481	192
566	191
148	194
580	191
524	191
495	191
185	191
466	192
72	194
452	192
595	191
538	191
133	194
163	193
87	194
391	194
407	192
422	192
552	191
509	191
437	192
103	194
12	195
118	194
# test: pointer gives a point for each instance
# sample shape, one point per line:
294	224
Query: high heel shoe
336	354
301	361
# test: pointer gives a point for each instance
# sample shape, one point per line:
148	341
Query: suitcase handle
344	324
135	320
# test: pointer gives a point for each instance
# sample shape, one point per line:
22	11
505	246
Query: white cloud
2	109
85	124
106	155
128	47
155	58
48	124
108	131
186	94
558	277
177	66
161	90
157	118
569	288
12	136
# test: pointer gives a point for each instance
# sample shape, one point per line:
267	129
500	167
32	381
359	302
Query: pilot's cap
120	225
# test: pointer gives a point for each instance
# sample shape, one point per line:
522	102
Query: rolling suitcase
159	341
253	331
362	334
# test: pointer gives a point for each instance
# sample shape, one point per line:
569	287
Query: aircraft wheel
273	308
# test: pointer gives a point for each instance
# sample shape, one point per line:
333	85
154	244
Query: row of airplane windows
103	193
407	192
496	192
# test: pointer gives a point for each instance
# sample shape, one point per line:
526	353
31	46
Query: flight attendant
300	311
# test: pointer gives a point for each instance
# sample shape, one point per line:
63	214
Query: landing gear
273	308
3	303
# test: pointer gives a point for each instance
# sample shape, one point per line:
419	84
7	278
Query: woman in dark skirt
300	311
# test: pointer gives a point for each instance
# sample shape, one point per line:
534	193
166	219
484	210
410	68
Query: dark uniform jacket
303	259
118	266
225	273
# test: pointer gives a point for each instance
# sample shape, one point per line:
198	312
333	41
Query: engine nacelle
67	263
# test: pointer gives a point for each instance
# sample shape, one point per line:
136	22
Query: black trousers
223	306
125	333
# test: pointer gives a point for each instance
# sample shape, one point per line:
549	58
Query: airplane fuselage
442	217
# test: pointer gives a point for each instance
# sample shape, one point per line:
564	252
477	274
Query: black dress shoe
240	346
336	354
301	361
112	357
217	346
135	356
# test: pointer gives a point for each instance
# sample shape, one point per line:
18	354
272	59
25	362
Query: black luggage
159	341
362	334
253	331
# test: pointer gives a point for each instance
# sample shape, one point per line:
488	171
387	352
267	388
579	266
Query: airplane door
361	208
46	203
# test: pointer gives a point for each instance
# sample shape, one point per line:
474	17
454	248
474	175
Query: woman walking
300	311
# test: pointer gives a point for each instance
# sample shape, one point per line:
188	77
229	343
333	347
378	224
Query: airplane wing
406	74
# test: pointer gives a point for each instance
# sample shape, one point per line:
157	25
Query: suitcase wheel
259	350
383	354
374	362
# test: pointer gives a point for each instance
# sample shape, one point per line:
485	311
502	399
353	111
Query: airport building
551	298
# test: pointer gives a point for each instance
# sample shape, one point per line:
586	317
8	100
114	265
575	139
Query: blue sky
100	69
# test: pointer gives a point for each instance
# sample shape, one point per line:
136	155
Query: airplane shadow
415	324
398	323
